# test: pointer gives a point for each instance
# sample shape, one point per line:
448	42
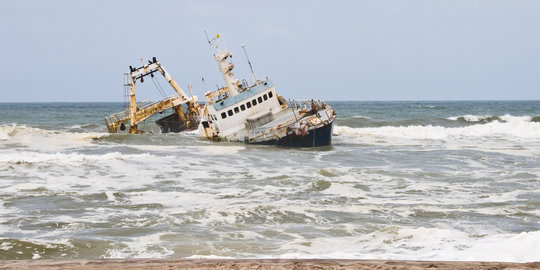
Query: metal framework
135	114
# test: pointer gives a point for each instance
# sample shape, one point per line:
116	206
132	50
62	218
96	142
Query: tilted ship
238	112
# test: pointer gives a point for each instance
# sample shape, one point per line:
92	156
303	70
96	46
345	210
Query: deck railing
298	107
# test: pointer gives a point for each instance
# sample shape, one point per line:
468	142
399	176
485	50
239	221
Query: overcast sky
331	50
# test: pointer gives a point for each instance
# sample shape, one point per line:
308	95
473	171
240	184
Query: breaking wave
423	244
491	118
510	126
474	118
361	117
42	139
25	157
6	131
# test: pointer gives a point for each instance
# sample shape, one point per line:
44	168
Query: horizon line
366	100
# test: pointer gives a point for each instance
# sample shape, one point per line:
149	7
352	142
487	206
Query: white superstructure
237	106
257	114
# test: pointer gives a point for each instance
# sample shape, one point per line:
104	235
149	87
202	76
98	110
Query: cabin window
248	105
230	112
254	102
236	110
270	95
243	107
265	97
223	115
260	99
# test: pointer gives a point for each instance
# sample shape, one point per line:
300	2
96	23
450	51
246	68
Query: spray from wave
42	139
511	126
509	135
491	118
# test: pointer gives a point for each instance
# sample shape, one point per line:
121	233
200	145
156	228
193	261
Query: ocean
426	180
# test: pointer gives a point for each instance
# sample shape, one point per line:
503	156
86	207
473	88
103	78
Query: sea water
402	180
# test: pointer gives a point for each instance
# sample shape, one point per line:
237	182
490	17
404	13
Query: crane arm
137	114
151	68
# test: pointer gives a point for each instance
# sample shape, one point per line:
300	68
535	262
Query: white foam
213	257
511	118
494	136
220	150
470	118
519	129
46	140
147	246
479	118
361	117
5	245
65	158
6	131
420	244
22	187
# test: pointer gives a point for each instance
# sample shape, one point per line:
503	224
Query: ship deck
278	126
285	118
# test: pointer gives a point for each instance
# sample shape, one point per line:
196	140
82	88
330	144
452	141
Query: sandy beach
257	264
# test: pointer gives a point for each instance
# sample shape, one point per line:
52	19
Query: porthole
243	107
254	102
223	115
248	105
236	110
230	112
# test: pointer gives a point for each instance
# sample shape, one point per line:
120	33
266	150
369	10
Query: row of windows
248	104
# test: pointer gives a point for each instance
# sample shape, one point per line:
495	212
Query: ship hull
321	136
172	123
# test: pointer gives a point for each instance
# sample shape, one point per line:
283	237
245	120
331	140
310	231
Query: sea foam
420	244
512	127
42	139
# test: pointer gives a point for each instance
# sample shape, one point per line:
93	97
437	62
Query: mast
249	62
132	106
225	67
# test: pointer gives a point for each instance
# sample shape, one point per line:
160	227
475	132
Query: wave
421	244
6	131
428	106
361	117
26	157
474	118
43	139
360	121
491	118
512	132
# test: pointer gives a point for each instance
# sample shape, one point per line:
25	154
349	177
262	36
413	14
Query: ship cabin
252	107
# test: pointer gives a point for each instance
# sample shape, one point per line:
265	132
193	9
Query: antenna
250	67
204	84
206	36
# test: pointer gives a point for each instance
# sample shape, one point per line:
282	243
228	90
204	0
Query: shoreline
298	264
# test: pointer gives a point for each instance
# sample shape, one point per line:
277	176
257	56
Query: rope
158	86
161	87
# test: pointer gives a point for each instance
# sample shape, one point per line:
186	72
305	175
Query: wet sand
256	264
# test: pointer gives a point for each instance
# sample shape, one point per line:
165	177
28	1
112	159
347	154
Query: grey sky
333	50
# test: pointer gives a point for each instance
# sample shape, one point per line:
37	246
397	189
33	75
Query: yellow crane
178	121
